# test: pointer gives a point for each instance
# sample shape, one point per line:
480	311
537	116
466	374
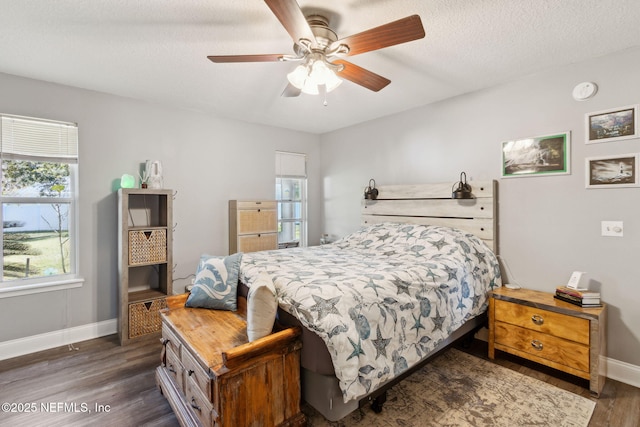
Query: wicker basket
144	317
147	246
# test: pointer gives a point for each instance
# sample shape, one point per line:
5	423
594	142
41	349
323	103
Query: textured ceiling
156	50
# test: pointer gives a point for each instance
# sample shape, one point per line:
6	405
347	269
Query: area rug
457	389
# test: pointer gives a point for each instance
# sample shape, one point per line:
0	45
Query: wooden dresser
253	225
212	376
534	325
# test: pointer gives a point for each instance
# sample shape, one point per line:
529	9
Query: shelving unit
145	241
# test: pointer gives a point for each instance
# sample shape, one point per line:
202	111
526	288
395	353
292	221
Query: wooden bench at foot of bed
213	376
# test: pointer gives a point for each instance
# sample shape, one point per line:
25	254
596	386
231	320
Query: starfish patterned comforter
383	297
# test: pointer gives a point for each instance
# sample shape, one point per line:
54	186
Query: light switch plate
612	228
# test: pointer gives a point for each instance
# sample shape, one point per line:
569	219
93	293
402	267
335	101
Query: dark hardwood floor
104	384
99	384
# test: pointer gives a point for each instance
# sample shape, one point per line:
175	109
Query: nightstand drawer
564	352
556	324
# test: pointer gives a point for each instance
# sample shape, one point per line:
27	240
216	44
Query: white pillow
262	306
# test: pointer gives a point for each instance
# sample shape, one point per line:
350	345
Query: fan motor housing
320	29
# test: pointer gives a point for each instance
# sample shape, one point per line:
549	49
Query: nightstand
535	326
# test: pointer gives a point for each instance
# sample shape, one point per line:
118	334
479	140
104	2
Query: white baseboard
22	346
623	372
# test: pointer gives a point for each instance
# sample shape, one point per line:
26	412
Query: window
291	194
39	162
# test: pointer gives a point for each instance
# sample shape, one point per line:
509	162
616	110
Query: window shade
23	136
291	164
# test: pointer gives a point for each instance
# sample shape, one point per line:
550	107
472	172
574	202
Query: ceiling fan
320	52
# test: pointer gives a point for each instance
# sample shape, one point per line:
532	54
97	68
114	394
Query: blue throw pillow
216	283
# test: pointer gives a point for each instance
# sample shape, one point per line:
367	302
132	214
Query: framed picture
613	171
612	125
542	155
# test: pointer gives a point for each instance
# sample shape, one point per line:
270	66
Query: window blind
26	137
291	164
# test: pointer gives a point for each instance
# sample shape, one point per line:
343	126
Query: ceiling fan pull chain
324	91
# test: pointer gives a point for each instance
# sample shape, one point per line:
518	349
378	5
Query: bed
378	303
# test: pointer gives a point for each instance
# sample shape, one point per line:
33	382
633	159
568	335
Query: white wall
549	226
207	160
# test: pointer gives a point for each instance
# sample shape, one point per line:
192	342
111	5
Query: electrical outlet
612	228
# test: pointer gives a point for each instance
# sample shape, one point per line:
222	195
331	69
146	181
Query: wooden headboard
431	204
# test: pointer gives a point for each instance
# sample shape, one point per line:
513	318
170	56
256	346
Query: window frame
71	279
292	166
302	219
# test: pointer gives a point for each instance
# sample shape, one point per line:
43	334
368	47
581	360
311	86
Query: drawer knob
537	319
171	369
194	405
537	345
190	372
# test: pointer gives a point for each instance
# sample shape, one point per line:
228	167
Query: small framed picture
612	125
542	155
612	171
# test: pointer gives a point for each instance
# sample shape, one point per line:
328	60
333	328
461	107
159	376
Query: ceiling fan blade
290	91
292	19
246	58
396	32
361	76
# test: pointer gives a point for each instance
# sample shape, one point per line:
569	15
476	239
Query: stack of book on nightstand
583	298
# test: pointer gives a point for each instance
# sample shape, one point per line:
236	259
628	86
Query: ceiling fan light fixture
314	73
301	78
333	82
298	76
310	88
323	75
